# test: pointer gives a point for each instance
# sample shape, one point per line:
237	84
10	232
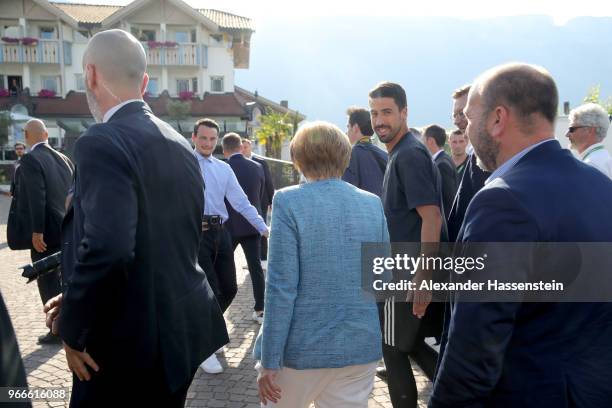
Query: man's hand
78	362
52	309
268	389
38	242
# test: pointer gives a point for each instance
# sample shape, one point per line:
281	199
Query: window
147	35
194	85
182	85
153	86
193	36
49	82
216	84
47	33
181	36
79	82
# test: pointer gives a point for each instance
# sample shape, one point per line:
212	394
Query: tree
178	110
594	96
275	128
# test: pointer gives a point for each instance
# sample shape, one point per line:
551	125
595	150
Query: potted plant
170	44
29	41
46	93
185	95
4	92
10	40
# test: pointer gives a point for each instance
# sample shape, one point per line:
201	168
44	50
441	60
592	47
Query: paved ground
235	388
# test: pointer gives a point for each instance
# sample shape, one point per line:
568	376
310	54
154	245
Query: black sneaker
49	338
381	372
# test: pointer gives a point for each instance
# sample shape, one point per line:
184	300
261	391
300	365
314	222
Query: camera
42	267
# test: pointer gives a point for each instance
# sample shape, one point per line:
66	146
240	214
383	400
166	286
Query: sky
560	10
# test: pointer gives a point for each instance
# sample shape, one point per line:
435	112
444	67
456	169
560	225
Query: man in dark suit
516	354
434	138
20	151
266	199
138	315
473	177
368	163
42	181
251	178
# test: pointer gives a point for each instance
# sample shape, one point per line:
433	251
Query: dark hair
361	117
459	92
19	144
526	88
458	132
437	133
205	122
390	90
231	142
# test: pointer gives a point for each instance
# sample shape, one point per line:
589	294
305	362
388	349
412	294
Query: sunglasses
571	129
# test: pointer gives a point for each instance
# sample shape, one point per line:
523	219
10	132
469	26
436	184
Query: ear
145	82
498	122
91	75
404	114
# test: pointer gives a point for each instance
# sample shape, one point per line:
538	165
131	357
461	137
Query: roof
87	13
245	96
75	105
97	13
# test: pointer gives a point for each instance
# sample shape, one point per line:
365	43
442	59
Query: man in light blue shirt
216	255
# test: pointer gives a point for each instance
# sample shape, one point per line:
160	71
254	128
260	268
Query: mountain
323	65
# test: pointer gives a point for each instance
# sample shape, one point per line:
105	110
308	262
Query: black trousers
216	258
400	379
113	388
49	285
251	245
264	240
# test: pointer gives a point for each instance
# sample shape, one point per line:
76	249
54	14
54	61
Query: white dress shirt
597	156
221	183
109	113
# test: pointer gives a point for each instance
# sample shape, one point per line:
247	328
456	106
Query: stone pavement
234	388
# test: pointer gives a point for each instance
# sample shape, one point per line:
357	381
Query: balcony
184	54
44	52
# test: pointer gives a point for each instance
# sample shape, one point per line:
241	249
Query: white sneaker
258	317
211	365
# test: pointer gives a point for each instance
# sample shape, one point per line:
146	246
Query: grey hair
592	115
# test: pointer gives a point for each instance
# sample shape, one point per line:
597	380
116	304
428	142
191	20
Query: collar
39	143
591	149
436	154
364	139
234	154
510	163
109	113
200	156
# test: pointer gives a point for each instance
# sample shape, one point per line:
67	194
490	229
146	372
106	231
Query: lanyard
594	150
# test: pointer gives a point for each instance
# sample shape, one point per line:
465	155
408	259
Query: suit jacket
137	299
446	166
41	186
471	182
251	178
266	199
366	168
316	314
536	355
12	373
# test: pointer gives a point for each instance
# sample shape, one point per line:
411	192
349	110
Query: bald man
515	354
138	315
41	185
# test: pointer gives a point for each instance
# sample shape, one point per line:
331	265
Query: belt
212	223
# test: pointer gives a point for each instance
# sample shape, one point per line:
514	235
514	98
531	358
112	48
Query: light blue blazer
316	314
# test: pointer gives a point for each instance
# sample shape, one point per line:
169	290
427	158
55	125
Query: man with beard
473	177
411	200
515	354
137	316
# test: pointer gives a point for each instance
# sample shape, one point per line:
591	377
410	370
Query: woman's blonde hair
320	150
